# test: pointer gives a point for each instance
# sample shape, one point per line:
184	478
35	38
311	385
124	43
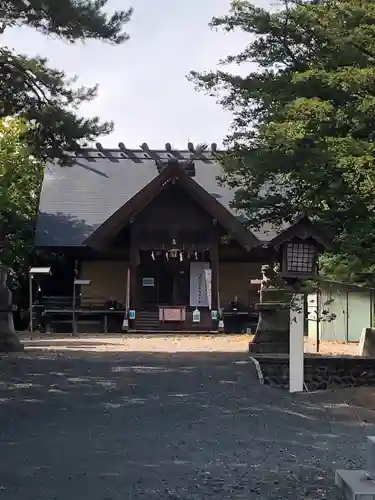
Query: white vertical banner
200	284
297	344
208	280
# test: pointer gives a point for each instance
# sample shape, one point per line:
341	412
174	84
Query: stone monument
272	333
9	342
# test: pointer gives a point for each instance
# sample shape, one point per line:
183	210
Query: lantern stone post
298	250
272	333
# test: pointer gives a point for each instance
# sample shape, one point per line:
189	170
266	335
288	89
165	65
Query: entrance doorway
163	282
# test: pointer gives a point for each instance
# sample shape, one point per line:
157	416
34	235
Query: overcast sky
142	84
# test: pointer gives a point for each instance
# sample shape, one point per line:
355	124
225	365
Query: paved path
198	426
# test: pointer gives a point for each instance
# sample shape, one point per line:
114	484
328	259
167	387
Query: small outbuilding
339	312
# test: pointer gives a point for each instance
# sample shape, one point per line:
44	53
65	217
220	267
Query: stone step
359	484
355	484
370	456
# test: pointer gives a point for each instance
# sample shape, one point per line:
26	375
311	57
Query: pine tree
44	96
303	133
39	121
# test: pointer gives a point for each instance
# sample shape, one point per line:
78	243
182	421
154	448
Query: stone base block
355	484
10	343
261	346
367	343
272	333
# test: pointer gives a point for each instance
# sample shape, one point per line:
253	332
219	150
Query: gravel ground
108	425
140	343
170	343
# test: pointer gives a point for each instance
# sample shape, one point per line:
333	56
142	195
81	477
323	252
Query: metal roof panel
75	200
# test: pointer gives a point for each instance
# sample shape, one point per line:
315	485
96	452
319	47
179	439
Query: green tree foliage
21	175
303	135
38	117
44	96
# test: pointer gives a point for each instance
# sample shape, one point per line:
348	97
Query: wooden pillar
214	276
175	288
133	274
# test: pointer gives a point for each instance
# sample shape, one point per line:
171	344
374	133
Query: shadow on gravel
38	376
87	377
104	426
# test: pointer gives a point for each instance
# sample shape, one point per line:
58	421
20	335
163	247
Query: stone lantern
8	337
297	250
9	341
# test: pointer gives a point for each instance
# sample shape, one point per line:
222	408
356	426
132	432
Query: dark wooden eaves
171	173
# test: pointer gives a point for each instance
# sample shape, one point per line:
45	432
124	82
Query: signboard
39	270
148	281
82	282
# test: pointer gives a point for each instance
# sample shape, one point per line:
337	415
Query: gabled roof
172	172
302	228
77	200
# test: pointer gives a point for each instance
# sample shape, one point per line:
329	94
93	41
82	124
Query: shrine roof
76	199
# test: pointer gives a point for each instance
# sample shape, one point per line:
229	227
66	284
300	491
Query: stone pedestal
9	342
272	333
359	484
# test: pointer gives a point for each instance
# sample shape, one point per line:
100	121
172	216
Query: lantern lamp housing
299	259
